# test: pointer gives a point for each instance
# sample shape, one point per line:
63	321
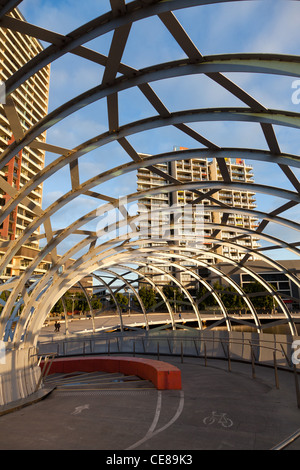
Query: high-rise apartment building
31	104
239	171
197	169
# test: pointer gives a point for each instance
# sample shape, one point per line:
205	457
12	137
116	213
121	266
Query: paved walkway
103	321
216	410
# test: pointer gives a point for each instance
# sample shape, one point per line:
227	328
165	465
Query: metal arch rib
136	10
133	197
275	264
95	261
286	118
234	114
59	287
89	303
259	155
122	169
47	277
225	259
7	6
156	287
217	297
251	212
255	276
202	281
134	292
69	254
44	280
235	62
114	298
90	265
126	254
173	279
135	78
246	269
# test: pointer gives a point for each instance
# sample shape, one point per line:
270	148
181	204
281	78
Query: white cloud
281	33
51	196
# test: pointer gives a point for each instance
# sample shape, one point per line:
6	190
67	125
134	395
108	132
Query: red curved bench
163	375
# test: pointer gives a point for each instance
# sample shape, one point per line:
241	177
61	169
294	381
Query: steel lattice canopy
102	251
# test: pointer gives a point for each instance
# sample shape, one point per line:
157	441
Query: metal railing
48	359
252	350
288	441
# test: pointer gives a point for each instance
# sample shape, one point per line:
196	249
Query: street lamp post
174	301
129	298
127	290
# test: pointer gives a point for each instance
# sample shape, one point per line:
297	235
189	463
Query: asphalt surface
216	409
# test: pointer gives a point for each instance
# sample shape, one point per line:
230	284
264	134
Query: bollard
228	356
196	347
275	370
252	363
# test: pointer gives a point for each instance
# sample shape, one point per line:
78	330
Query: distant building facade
31	104
202	215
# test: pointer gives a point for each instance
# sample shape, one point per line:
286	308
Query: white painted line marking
151	432
79	409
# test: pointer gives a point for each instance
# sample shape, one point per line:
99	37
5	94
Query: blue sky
243	26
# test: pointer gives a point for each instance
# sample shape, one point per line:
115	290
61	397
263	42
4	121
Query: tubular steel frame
125	251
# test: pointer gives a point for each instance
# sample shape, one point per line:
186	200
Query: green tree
58	307
147	296
74	302
264	301
96	303
229	296
121	299
208	301
173	293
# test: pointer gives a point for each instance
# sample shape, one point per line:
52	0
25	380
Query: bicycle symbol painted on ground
218	418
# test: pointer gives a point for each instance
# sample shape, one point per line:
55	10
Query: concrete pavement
216	409
106	321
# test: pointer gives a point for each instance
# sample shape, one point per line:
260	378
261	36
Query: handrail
286	442
229	341
45	371
271	360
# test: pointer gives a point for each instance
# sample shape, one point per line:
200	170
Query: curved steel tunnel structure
119	248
